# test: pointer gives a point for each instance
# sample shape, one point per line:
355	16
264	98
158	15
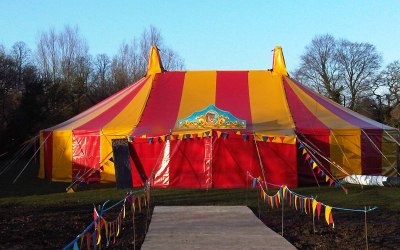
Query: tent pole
259	158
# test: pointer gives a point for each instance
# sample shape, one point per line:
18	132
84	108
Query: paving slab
210	227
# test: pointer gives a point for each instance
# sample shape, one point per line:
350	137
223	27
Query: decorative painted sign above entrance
211	117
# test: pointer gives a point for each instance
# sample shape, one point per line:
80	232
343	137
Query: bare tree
359	64
21	55
319	67
389	80
130	64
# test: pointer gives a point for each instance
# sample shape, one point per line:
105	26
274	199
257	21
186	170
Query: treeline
351	73
58	79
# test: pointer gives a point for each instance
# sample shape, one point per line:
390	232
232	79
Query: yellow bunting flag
143	136
162	138
117	226
264	195
295	201
314	165
180	136
124	210
305	205
327	213
284	192
272	201
98	234
327	178
200	135
314	206
238	132
219	134
304	151
279	197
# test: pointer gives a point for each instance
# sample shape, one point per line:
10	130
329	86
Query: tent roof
269	101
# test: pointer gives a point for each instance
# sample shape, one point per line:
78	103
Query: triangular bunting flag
238	132
219	134
327	178
282	138
225	135
149	139
304	151
314	165
271	138
318	209
244	136
314	206
264	138
276	201
301	146
307	156
327	213
331	182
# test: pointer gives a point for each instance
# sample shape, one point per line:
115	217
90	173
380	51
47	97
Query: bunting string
301	203
108	230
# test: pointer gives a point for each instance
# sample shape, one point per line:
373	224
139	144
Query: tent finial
278	62
155	65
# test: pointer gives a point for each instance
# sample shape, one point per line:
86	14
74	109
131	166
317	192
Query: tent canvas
248	122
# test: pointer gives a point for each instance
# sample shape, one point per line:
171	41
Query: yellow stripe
349	142
41	164
120	127
345	138
198	92
269	109
390	150
62	155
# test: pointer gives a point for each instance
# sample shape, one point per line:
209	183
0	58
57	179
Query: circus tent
214	129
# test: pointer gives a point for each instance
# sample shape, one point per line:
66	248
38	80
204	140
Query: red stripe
86	155
316	132
336	110
305	121
371	158
48	154
162	108
232	94
105	117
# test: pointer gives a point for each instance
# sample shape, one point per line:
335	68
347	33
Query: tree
320	68
388	92
358	64
65	63
338	68
130	64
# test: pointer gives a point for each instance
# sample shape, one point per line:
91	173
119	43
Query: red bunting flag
331	220
331	182
309	204
282	138
307	156
271	138
318	170
276	201
318	209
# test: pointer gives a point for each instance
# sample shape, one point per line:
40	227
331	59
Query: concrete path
210	227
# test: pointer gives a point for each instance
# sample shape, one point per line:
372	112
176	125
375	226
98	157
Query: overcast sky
210	34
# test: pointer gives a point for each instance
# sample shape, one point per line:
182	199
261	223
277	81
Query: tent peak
155	64
278	62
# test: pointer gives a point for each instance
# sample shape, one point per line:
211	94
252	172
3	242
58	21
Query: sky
210	34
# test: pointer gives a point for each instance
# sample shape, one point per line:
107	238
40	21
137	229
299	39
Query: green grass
32	191
357	198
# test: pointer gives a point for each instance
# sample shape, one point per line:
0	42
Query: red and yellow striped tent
218	128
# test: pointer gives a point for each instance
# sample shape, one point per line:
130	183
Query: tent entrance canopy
219	159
